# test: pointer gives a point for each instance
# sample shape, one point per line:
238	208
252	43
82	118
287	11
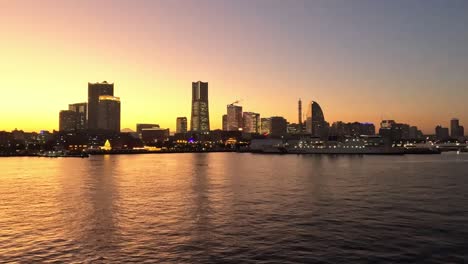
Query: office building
393	131
316	124
108	113
140	127
341	129
200	119
224	123
95	90
275	125
456	131
181	125
251	122
82	114
234	117
154	135
67	120
442	133
299	110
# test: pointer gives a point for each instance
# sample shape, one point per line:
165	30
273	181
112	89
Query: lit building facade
82	115
181	125
234	117
95	90
109	113
275	125
200	119
251	122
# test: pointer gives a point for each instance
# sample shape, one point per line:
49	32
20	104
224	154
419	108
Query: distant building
340	129
316	124
68	120
415	133
95	90
109	113
154	135
140	127
275	125
299	113
251	122
393	131
294	128
82	114
225	123
200	120
181	125
265	125
234	117
442	133
456	131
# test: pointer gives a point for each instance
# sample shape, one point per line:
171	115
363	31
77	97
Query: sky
360	60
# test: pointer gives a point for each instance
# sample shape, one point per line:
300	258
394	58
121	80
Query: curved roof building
316	124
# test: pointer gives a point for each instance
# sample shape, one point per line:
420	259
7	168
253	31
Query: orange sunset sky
361	60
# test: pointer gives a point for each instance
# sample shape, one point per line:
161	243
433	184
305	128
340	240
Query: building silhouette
181	125
200	119
224	123
68	120
140	127
82	115
316	124
109	113
234	117
442	133
299	115
95	90
275	126
456	131
251	122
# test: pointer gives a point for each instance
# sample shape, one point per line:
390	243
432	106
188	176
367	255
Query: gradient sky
361	60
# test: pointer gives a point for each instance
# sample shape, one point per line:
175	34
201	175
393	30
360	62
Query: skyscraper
67	120
224	122
299	110
81	109
109	113
181	125
252	122
316	124
456	131
200	119
95	90
234	117
275	125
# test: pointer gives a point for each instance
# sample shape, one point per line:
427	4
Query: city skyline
407	63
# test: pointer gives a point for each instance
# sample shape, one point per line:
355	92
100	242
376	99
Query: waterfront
235	208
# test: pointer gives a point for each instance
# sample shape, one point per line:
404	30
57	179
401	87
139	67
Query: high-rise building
82	112
181	125
275	125
234	117
442	133
456	131
95	90
316	124
200	119
109	113
252	122
67	120
299	110
224	122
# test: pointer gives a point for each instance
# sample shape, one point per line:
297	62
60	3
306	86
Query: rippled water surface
235	208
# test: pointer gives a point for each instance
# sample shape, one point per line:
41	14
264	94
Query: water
235	208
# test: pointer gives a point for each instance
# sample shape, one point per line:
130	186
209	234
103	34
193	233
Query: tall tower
299	112
109	113
95	90
234	117
200	121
